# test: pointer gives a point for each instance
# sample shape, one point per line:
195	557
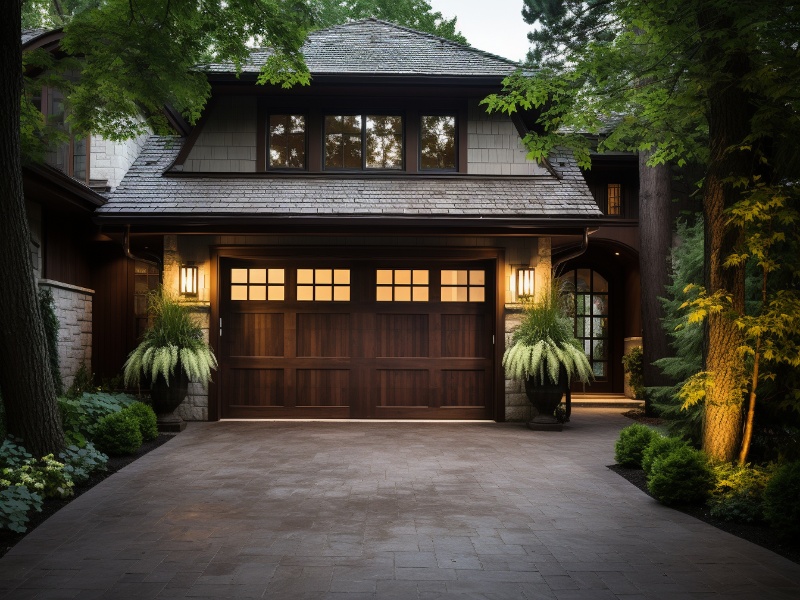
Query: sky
495	26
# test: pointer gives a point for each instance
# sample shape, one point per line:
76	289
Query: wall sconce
189	280
522	283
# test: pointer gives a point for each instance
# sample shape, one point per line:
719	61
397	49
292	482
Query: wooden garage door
382	339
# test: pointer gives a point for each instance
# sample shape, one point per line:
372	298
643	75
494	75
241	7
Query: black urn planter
545	398
167	397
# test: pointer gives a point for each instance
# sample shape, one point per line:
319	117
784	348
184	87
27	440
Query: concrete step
605	401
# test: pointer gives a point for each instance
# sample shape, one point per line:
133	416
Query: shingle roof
146	193
29	35
377	47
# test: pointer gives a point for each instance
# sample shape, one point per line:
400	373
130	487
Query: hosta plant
544	343
172	339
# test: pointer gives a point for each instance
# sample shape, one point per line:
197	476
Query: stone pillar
73	307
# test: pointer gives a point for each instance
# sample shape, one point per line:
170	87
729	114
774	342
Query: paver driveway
384	510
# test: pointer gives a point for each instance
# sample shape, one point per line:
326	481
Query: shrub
631	443
16	502
82	382
81	415
633	364
782	500
80	463
739	492
45	477
681	477
659	446
144	415
118	433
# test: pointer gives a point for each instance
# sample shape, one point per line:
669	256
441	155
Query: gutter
126	246
575	253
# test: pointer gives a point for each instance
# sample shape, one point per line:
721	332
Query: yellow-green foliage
544	343
172	339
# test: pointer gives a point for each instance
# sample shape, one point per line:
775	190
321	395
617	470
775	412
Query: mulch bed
760	533
8	538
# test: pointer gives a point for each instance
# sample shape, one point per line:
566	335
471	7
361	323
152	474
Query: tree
135	58
710	82
416	14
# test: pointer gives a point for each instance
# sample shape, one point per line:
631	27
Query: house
357	248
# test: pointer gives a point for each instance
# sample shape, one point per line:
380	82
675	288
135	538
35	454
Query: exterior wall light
189	280
522	283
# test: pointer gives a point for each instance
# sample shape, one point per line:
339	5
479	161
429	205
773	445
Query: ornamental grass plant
544	343
173	339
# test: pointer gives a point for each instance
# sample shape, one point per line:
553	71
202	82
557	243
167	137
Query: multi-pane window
323	285
257	284
402	285
614	199
461	285
363	142
438	142
70	156
287	141
588	306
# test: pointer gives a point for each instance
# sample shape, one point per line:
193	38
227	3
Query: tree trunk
729	115
655	235
25	380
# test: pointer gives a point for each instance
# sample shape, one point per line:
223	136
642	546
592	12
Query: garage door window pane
257	284
401	285
460	285
323	285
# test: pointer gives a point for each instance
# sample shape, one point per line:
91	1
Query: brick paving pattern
325	510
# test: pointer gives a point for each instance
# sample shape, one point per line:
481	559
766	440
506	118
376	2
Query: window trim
44	103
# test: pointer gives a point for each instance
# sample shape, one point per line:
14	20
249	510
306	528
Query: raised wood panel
402	388
255	387
463	336
463	388
323	387
254	334
323	335
402	335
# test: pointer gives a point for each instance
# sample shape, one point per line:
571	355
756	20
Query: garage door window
401	285
257	284
463	285
323	285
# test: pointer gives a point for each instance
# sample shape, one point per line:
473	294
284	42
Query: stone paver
327	510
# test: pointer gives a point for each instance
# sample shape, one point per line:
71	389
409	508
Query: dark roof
374	47
147	193
31	34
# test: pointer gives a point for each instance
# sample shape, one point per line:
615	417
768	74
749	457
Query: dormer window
72	155
355	142
438	142
287	142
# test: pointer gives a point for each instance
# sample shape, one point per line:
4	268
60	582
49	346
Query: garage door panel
463	388
404	387
254	334
463	336
323	387
323	335
402	335
255	387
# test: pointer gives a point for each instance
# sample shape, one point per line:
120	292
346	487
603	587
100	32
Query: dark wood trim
316	142
190	141
213	333
261	136
462	139
411	141
499	337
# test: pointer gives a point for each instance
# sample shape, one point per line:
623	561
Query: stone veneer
111	160
73	307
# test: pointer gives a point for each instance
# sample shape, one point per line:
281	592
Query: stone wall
228	140
73	307
111	160
495	147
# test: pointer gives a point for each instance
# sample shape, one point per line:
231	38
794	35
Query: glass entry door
588	306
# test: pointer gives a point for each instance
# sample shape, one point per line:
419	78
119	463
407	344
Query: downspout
126	245
575	253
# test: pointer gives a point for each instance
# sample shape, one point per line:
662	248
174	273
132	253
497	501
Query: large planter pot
167	397
545	398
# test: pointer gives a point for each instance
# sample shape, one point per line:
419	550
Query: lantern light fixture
189	279
523	283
